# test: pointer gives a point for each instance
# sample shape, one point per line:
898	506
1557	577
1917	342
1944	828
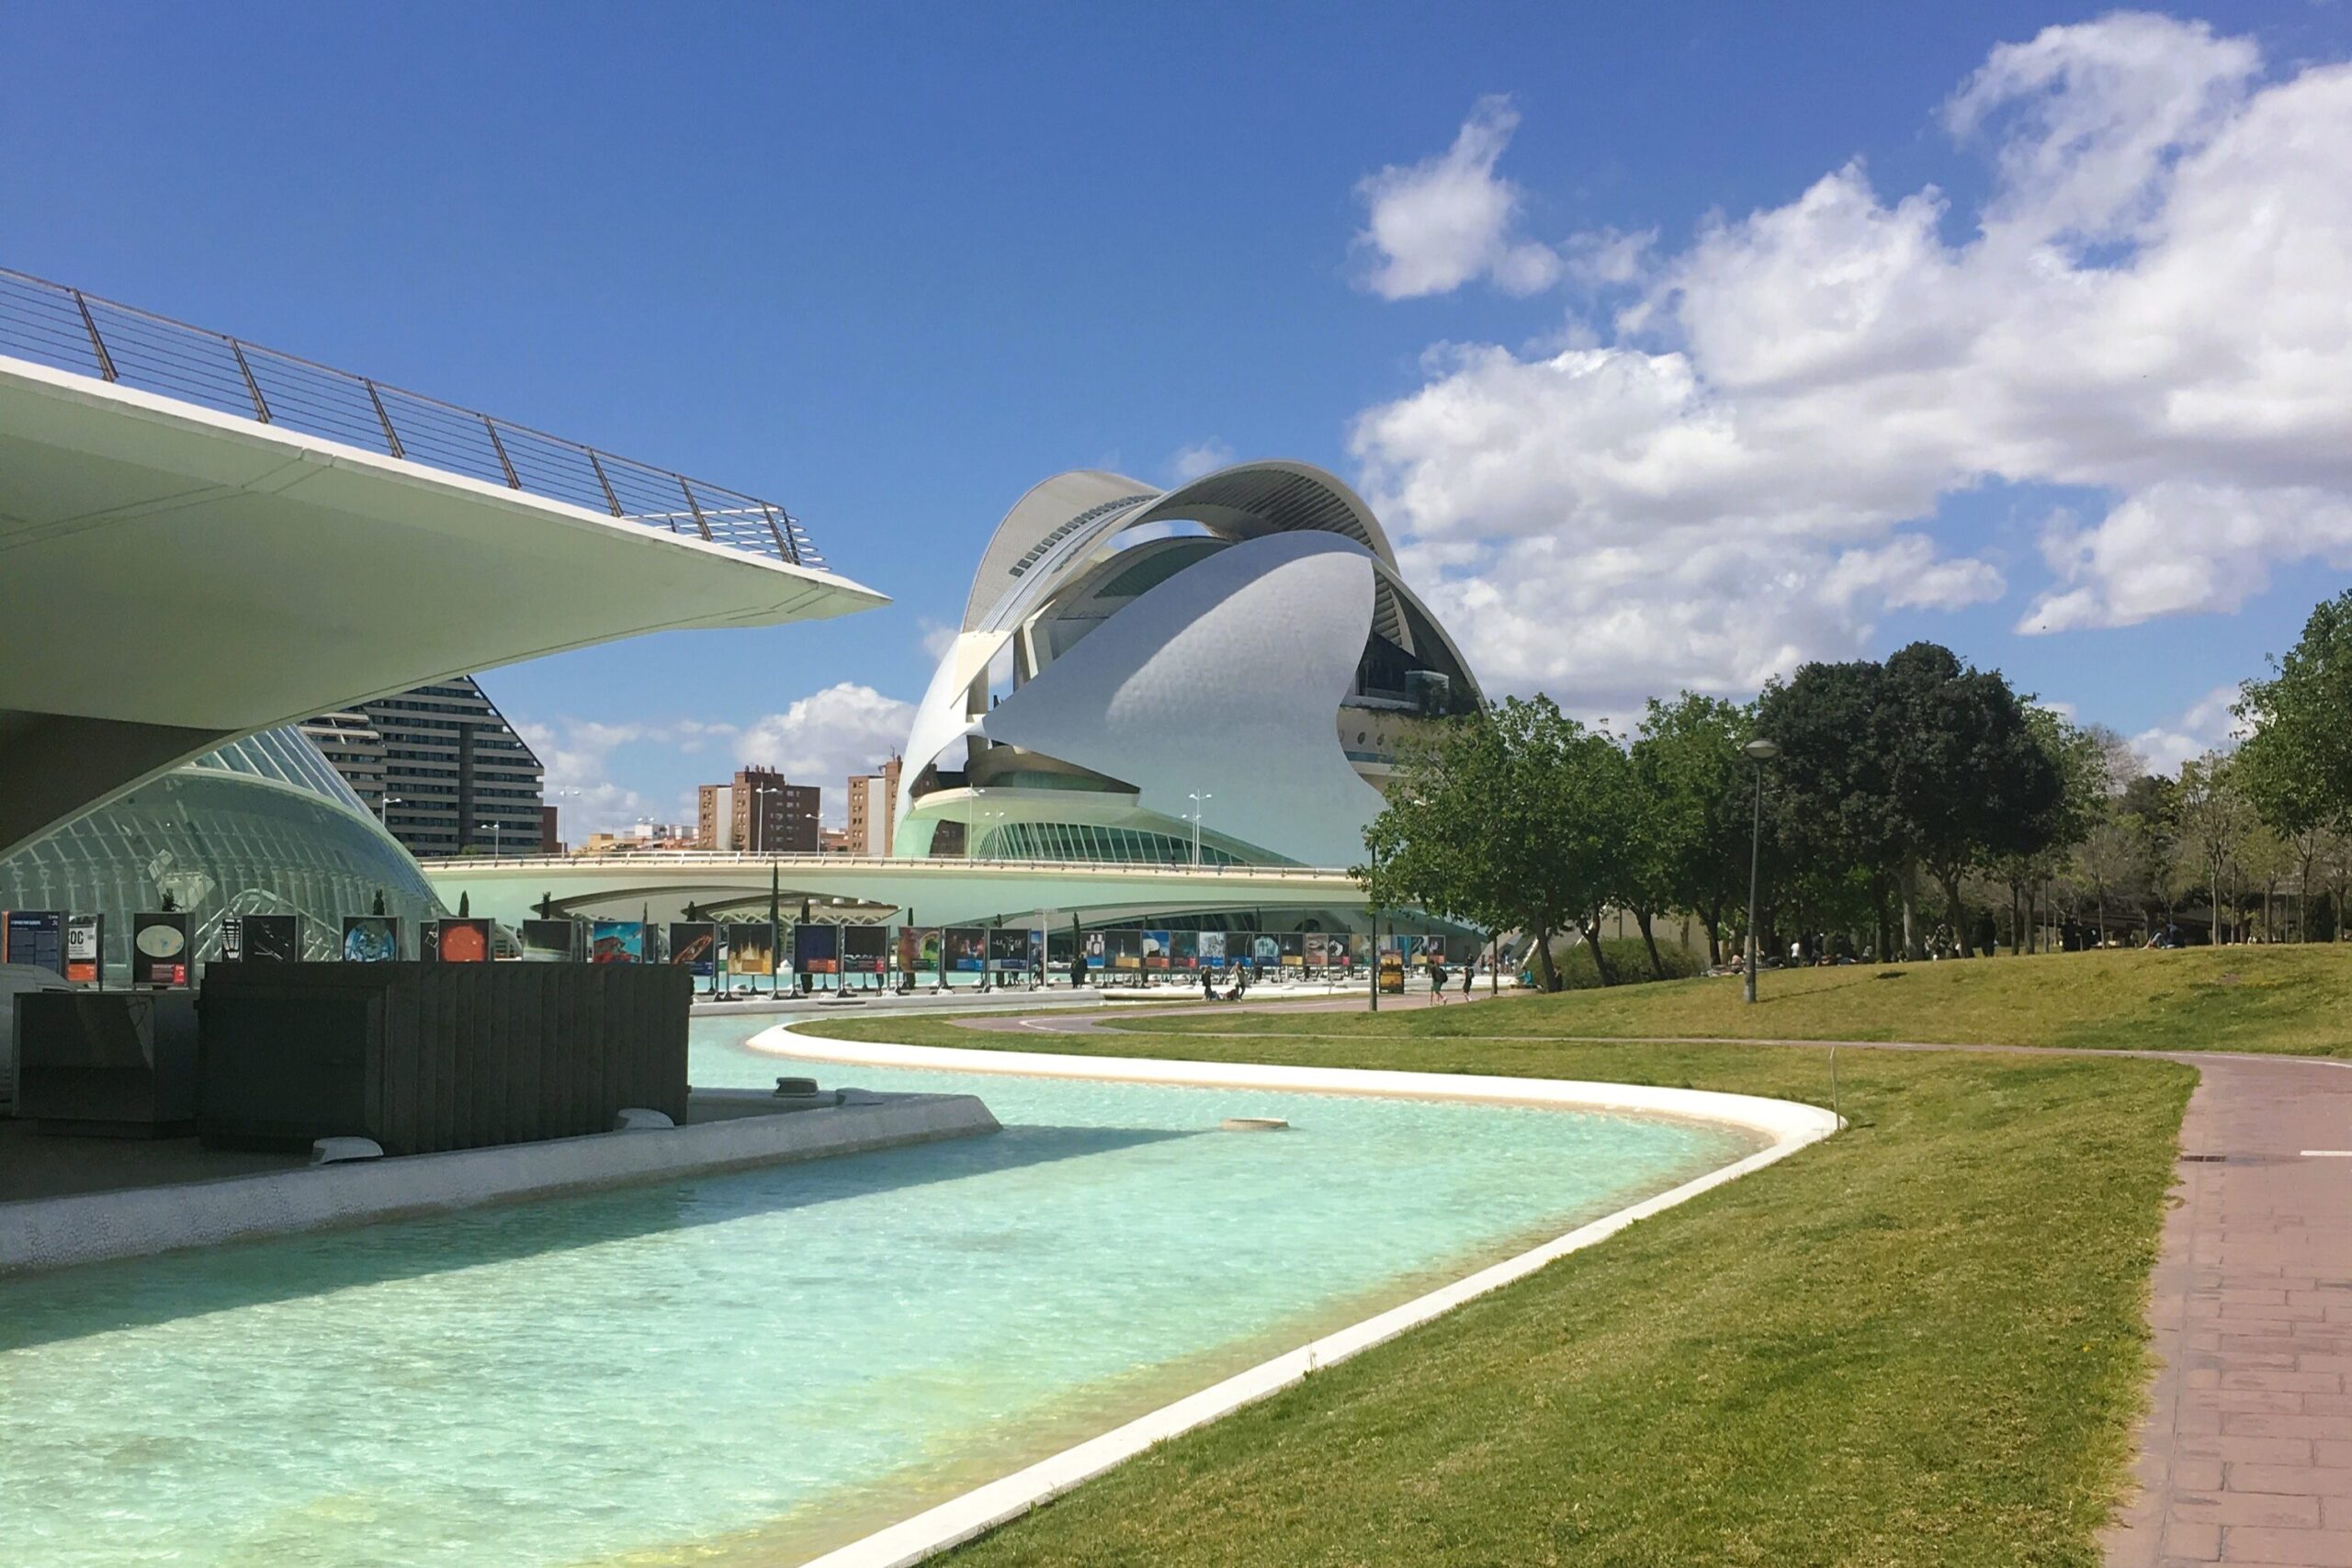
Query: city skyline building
760	812
872	807
446	770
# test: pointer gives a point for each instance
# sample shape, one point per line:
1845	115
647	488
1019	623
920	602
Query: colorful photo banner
86	949
968	950
1098	950
919	950
1317	951
866	950
751	947
1265	952
1155	950
1293	948
694	947
1185	950
463	941
159	954
36	937
1127	950
370	939
817	948
1008	952
1211	947
616	941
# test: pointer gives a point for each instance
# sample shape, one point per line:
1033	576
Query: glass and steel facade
262	826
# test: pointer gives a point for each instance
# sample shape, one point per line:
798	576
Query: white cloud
938	637
1435	225
2207	726
1188	463
577	757
2155	303
822	738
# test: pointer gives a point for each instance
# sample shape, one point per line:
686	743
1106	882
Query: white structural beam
171	577
940	892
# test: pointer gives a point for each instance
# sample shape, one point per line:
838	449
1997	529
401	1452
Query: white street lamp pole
1199	801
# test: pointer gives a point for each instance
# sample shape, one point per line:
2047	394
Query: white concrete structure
172	576
1251	661
940	892
1783	1127
727	1134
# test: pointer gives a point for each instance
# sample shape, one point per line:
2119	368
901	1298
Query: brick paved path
2246	1456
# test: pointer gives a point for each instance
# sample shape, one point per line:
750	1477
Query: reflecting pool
755	1368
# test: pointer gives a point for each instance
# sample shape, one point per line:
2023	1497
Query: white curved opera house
1240	647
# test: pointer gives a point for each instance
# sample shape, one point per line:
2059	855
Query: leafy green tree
1695	791
2216	820
1501	819
2296	762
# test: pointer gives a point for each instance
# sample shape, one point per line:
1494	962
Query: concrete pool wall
90	1228
1785	1125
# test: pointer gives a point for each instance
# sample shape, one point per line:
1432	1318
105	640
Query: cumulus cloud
823	737
2153	302
1188	463
2206	725
1435	225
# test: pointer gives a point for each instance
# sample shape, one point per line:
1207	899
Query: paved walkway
2245	1456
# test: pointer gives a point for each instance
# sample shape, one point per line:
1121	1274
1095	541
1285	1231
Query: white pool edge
1789	1125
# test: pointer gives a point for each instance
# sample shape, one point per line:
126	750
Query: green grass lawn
1919	1342
2291	998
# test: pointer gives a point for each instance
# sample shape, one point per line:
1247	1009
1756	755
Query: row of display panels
71	945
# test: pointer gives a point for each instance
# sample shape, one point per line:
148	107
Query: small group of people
1438	977
1234	993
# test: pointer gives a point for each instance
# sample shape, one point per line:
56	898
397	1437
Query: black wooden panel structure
425	1057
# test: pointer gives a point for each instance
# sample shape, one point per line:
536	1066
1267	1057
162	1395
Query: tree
1484	824
1694	784
2215	819
2297	759
1920	763
2109	857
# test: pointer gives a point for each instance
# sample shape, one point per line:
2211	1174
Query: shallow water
755	1367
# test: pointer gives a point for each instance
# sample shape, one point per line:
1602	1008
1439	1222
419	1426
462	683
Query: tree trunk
1546	974
1657	964
1958	913
1592	930
1714	925
1911	948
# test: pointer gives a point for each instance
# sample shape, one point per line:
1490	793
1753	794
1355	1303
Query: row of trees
1893	778
1906	792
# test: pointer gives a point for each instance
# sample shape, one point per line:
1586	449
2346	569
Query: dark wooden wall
423	1057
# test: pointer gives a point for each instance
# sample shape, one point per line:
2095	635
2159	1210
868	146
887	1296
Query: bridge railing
66	329
681	859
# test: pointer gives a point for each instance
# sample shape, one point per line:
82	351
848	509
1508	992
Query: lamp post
496	831
1199	799
1759	752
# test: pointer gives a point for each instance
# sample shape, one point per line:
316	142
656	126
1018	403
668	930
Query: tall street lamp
1759	752
1200	799
496	831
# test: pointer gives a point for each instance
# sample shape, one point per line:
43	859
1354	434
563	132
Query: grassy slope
2295	1000
1920	1342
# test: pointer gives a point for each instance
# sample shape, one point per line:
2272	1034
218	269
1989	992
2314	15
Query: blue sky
893	264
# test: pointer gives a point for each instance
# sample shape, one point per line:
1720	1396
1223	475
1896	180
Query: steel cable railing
52	324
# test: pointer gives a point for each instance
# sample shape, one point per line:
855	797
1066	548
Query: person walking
1469	973
1437	982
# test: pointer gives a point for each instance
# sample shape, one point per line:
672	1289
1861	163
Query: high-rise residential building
349	741
759	814
454	775
714	817
874	810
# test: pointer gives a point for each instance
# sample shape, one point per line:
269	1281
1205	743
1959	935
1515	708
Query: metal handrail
683	858
53	324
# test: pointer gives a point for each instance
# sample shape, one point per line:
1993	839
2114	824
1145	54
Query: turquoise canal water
754	1368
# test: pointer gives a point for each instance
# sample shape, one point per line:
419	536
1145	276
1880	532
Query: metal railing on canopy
64	328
